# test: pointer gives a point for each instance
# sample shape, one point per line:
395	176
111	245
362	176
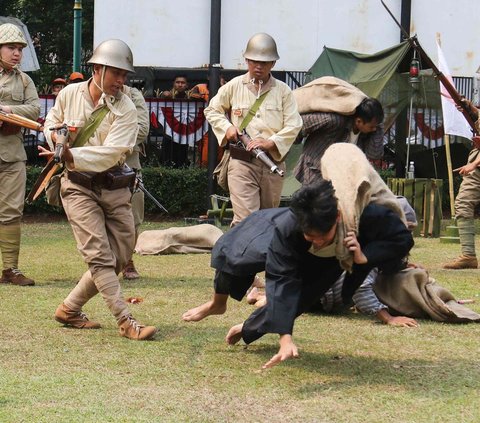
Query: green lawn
351	369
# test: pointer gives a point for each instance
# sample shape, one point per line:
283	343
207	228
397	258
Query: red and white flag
454	122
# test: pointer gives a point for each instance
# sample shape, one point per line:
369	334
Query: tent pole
407	159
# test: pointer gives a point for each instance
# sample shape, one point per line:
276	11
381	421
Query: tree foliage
50	23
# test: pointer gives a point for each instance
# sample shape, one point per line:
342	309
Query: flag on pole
454	122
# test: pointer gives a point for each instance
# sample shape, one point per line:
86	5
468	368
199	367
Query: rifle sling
252	111
92	124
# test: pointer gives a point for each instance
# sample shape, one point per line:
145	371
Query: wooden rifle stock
50	169
456	97
18	120
260	154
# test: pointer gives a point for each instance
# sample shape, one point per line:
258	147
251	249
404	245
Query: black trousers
235	286
317	275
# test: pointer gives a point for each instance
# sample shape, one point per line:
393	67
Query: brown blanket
178	240
328	94
413	293
356	184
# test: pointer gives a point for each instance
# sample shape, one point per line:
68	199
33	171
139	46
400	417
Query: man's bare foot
198	313
261	300
234	334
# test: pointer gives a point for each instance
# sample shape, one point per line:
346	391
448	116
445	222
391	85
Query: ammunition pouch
52	191
239	153
114	178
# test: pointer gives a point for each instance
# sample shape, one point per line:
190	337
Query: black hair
181	75
369	109
315	206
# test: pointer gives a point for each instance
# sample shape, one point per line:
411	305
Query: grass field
351	369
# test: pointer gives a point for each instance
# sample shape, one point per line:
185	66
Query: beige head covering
328	94
356	185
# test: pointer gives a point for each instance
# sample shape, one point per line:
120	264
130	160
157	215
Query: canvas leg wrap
108	285
10	244
466	232
83	291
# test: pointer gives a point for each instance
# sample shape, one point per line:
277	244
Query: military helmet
261	47
11	34
114	53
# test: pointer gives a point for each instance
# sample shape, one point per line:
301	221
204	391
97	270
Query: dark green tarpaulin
382	75
369	72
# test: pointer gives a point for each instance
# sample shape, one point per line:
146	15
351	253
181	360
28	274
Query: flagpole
450	175
449	158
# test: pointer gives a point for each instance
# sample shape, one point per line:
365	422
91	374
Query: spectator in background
76	77
179	90
174	153
58	84
201	92
19	96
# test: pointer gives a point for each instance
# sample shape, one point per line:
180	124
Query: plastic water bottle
411	171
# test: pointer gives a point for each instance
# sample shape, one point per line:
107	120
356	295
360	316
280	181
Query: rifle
62	139
141	187
456	97
18	120
245	139
52	167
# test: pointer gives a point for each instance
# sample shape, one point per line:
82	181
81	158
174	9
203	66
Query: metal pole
400	127
405	17
213	85
77	35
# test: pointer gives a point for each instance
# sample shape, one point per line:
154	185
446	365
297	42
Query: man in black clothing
297	247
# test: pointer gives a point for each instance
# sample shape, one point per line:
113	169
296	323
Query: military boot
129	272
15	277
462	262
131	329
76	319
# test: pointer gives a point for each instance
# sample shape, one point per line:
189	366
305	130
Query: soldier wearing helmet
95	187
17	95
273	127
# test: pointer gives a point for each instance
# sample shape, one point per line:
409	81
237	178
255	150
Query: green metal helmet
12	34
114	53
261	47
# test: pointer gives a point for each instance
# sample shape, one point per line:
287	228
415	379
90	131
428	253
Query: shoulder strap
252	111
92	124
24	79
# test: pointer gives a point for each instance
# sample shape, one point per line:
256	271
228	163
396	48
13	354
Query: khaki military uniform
469	194
251	185
101	219
133	159
18	92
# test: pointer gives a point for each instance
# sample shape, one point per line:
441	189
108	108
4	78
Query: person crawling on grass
298	248
365	301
